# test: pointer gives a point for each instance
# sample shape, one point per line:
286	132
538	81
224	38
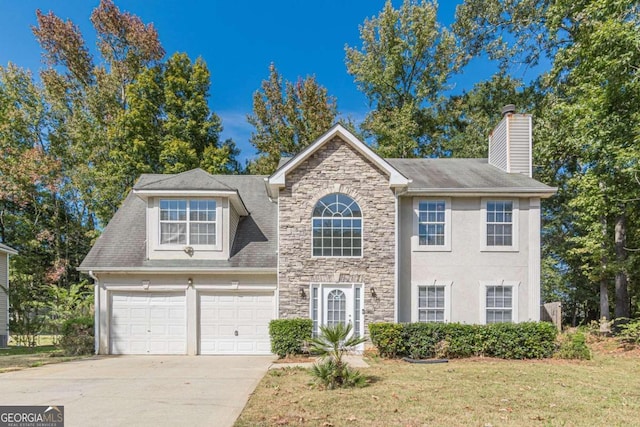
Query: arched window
337	227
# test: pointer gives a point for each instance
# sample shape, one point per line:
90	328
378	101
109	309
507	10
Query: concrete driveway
141	390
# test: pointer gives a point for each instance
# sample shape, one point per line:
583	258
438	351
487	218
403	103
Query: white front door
333	304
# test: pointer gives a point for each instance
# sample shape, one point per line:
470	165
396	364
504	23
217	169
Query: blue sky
238	40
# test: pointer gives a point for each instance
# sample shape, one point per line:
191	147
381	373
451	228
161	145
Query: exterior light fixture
373	293
145	284
303	294
189	281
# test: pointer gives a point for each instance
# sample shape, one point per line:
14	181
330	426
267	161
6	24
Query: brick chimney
510	142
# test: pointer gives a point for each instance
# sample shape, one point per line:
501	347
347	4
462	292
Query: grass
479	392
16	357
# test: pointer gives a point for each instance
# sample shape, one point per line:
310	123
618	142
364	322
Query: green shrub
421	339
288	335
387	337
332	344
629	331
77	336
527	340
333	375
573	346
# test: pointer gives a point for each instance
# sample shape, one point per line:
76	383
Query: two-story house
199	264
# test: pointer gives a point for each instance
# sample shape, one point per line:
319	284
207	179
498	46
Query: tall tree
287	117
34	218
125	112
467	119
403	66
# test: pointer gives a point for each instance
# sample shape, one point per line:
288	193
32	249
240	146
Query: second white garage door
235	323
148	323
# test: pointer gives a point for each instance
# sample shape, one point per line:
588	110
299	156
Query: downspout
96	311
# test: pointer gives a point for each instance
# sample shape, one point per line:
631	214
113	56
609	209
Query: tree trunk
622	308
604	289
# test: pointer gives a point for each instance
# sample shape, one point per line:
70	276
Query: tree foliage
403	65
287	117
126	112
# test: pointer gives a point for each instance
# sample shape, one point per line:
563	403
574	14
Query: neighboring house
199	264
5	252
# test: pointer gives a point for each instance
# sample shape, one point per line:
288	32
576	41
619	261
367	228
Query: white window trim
484	284
447	284
514	226
416	246
172	247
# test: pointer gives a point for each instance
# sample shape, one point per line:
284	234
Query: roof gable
278	179
194	183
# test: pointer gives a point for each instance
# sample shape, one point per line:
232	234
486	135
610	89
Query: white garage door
148	323
235	323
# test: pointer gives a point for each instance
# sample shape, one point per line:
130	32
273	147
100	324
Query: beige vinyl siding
4	281
234	219
519	144
498	155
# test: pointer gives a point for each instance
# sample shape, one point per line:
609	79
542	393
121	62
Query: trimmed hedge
528	340
288	335
77	336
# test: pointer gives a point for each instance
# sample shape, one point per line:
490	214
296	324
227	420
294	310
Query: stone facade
337	168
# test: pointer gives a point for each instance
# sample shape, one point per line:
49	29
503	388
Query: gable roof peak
278	178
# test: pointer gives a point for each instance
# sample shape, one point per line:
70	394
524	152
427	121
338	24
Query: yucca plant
332	344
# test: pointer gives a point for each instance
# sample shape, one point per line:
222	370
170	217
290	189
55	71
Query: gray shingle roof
464	175
123	242
195	179
459	174
7	249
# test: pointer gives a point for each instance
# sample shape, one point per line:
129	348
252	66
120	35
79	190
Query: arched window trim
336	226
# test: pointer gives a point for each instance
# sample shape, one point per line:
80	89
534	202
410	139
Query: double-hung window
498	301
188	222
433	224
431	301
499	304
500	225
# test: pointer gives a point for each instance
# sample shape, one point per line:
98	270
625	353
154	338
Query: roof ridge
190	171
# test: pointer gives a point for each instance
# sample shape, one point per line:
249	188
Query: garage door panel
148	323
221	315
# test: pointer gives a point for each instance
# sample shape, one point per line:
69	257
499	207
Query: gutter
475	192
171	270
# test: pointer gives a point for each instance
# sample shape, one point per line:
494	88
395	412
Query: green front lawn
478	392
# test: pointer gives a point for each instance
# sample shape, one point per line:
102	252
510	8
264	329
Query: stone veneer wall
337	168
